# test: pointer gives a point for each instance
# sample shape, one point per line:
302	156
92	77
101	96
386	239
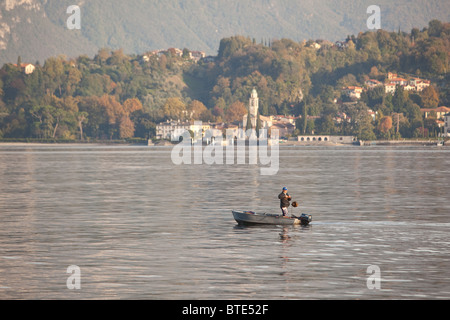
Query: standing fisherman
285	198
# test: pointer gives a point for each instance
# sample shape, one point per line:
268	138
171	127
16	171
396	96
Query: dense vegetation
116	96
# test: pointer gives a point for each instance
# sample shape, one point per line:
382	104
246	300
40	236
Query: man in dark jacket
284	201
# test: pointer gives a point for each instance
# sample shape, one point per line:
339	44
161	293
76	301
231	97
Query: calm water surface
140	227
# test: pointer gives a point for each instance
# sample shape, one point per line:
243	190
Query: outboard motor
305	219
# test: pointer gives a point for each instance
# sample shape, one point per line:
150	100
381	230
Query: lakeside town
286	124
376	86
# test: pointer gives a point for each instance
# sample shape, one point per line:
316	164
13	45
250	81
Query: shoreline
392	143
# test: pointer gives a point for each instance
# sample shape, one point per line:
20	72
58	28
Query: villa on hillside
27	68
422	84
389	87
393	80
372	83
197	55
398	81
353	92
414	84
193	55
440	112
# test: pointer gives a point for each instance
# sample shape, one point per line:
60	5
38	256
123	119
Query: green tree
399	99
435	28
360	121
258	124
54	75
327	125
43	124
228	46
249	125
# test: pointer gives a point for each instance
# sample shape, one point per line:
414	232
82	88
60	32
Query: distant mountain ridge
36	29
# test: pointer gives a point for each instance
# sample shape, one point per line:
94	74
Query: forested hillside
114	95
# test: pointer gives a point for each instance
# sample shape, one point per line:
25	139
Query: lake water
140	227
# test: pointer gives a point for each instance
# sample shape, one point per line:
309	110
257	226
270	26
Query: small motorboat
250	217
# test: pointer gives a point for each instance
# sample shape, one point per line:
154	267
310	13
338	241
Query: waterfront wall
318	139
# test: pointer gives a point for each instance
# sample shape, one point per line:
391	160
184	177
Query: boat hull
251	218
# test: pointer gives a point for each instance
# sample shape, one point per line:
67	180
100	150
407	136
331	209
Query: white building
420	85
399	81
389	88
447	125
165	130
353	92
409	87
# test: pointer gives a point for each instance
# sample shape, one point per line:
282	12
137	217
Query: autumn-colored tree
235	112
132	105
114	112
112	108
385	124
126	127
430	97
195	109
217	111
174	108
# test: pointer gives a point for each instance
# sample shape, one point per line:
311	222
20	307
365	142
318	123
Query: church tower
253	107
